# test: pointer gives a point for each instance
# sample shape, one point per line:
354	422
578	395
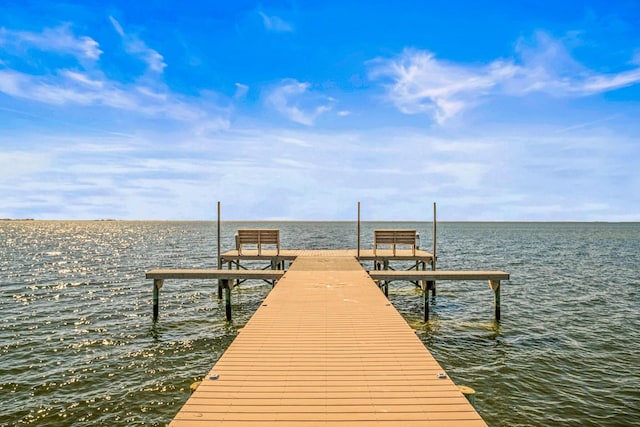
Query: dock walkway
326	348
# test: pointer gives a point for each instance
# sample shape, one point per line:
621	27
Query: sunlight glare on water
78	347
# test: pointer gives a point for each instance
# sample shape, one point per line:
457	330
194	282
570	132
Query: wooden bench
427	281
258	237
394	238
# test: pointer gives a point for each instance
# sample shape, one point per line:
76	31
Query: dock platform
327	348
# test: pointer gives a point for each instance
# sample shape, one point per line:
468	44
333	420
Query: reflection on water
78	347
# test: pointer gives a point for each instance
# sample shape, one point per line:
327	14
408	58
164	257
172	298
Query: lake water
78	346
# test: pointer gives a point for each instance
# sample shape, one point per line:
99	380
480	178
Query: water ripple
77	346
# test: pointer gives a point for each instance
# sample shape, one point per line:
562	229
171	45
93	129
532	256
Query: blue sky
298	110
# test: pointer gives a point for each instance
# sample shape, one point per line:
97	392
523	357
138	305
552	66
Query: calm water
77	345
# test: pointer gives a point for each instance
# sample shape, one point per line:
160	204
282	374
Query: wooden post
227	297
274	266
469	393
358	231
495	285
157	284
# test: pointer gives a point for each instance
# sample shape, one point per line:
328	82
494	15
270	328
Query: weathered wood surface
427	279
326	348
257	238
365	254
438	275
394	238
215	274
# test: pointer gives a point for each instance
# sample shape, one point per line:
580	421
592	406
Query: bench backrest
393	238
258	237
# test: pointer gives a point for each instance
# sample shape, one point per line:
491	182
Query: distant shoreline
324	220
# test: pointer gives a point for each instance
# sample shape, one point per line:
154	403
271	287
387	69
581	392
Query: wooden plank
258	237
326	347
365	254
264	235
215	274
438	275
393	238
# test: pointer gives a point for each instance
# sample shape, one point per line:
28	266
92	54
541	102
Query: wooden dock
326	348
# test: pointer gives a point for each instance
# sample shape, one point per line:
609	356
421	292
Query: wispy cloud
275	23
83	82
418	82
295	101
241	91
135	46
59	39
75	88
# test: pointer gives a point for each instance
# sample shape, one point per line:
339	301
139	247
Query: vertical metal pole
433	261
227	297
219	264
358	231
434	236
157	284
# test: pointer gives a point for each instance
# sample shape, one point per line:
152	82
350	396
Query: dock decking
326	348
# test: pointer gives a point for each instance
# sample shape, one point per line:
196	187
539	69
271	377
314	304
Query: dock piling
157	284
495	286
227	297
425	296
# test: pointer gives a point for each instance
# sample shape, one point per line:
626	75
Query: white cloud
321	175
417	82
116	26
84	84
19	163
294	100
83	78
135	46
241	91
74	88
275	23
59	39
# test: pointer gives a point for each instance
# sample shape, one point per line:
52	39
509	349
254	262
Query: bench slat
258	237
394	238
